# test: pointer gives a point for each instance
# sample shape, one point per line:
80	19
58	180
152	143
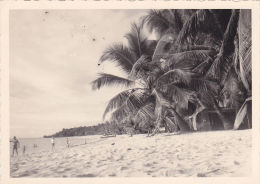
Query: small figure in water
16	145
53	144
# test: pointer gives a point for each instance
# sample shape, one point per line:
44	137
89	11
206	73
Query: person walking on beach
16	145
53	144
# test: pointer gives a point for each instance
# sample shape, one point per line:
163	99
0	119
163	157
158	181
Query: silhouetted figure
53	143
24	149
16	144
68	143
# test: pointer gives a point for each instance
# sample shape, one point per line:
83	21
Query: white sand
220	153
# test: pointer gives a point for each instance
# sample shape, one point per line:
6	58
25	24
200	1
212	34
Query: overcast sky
53	59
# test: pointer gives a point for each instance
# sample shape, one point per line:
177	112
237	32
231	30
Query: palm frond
182	48
148	47
136	39
176	20
142	68
145	115
200	84
207	98
120	114
131	104
187	60
118	100
175	76
163	46
155	21
136	100
234	88
219	68
180	96
167	94
222	64
105	79
203	67
119	54
217	21
200	21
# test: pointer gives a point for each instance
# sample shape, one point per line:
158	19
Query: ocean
44	144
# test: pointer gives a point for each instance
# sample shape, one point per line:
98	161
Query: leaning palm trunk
226	124
243	113
244	36
164	108
244	53
171	126
182	124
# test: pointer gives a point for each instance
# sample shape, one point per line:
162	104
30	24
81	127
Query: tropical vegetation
200	59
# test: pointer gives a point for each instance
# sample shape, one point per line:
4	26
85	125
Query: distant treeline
80	131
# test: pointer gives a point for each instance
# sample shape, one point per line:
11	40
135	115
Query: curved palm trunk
226	124
201	107
157	124
171	125
244	111
243	64
164	107
244	48
182	124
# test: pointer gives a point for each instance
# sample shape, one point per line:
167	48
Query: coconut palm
188	58
173	86
190	36
234	54
191	64
166	21
125	57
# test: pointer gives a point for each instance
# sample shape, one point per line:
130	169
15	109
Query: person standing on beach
68	143
53	143
16	144
24	149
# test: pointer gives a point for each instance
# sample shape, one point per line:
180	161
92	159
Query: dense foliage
200	60
80	131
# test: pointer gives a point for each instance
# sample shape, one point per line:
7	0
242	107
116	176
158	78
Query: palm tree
173	86
191	64
233	61
187	58
139	47
226	38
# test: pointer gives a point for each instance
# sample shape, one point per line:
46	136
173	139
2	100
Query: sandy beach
200	154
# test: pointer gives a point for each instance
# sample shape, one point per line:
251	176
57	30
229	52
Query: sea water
36	145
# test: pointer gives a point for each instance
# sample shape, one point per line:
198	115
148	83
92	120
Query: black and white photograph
130	93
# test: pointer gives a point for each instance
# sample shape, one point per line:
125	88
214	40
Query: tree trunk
226	124
157	124
245	44
171	124
244	111
182	124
